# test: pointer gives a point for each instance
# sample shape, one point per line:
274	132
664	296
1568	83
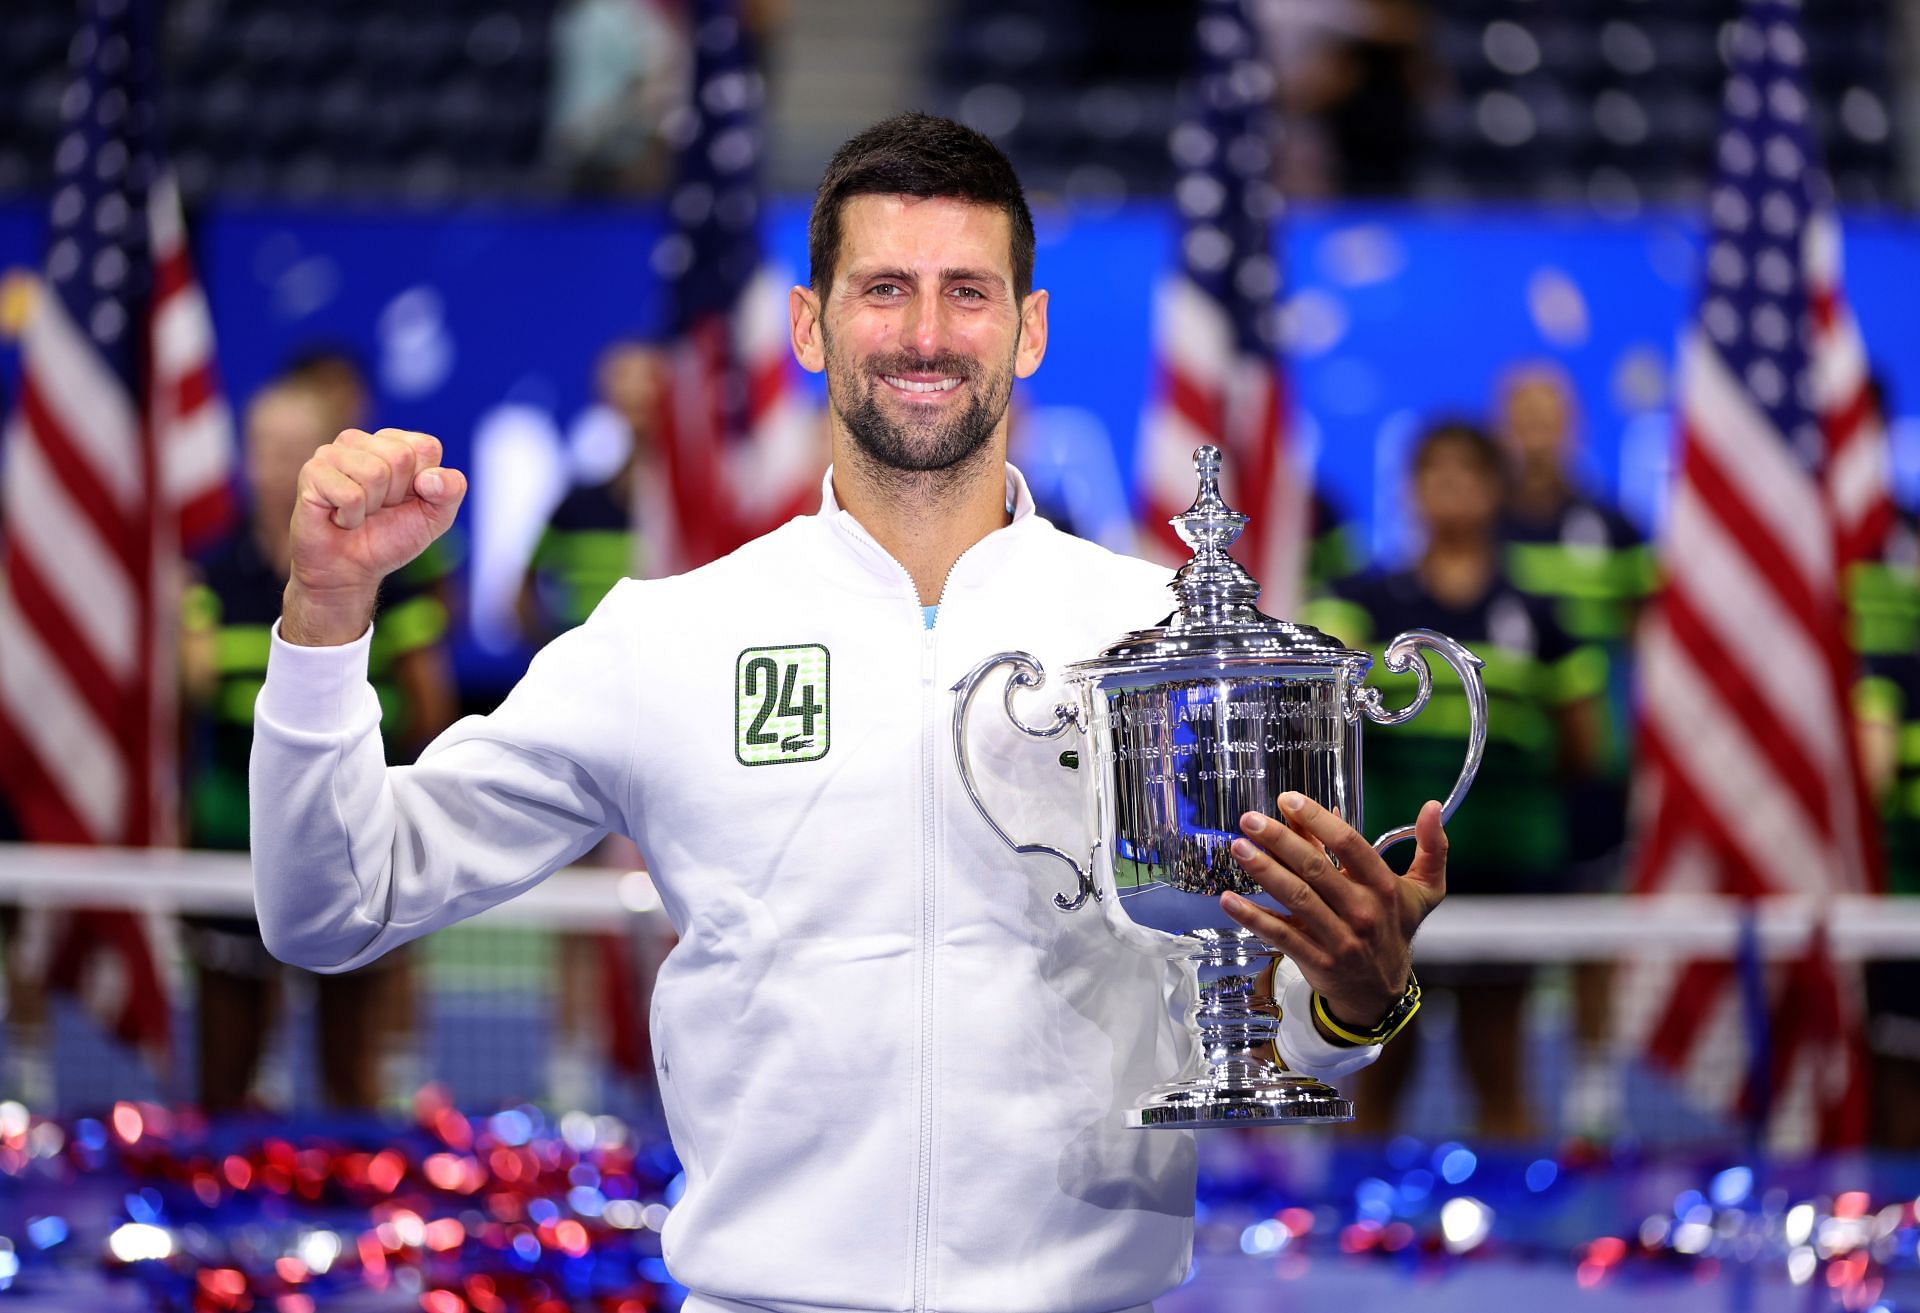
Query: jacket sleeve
1302	1047
352	857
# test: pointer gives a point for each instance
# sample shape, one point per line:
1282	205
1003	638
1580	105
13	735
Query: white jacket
893	1070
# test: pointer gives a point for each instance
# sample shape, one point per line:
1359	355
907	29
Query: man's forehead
283	414
933	232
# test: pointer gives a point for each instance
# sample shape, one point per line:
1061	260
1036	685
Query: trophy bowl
1184	728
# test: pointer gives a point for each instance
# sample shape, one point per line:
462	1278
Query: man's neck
1539	493
1456	572
275	541
924	520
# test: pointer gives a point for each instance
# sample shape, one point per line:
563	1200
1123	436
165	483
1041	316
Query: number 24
763	674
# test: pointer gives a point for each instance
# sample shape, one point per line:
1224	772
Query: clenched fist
368	503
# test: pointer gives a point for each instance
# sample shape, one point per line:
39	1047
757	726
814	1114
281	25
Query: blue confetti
1732	1186
1458	1165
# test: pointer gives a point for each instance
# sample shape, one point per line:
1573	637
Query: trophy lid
1217	618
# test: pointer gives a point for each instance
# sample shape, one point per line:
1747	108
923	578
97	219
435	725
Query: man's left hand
1349	928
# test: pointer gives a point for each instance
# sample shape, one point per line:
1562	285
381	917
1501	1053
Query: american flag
1216	321
737	441
1750	783
120	445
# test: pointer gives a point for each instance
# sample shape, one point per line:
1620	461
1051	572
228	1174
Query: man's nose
924	329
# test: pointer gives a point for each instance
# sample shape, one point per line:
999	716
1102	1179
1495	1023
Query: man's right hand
368	503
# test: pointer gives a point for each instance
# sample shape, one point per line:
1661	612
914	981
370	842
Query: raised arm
351	857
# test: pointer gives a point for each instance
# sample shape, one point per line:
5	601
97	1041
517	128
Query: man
1593	567
1562	543
591	542
894	1072
229	612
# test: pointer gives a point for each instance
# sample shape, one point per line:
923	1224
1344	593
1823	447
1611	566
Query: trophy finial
1208	525
1213	587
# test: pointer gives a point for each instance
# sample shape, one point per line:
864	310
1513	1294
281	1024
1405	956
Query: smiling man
894	1072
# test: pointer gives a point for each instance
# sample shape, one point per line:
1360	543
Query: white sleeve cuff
314	690
1302	1047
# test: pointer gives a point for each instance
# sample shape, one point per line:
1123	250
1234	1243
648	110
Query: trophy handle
1027	673
1401	657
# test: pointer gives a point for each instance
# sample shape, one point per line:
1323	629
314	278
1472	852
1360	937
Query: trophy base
1286	1101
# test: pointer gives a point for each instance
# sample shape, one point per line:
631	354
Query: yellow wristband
1390	1025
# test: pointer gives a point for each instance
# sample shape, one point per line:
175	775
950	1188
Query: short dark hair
918	155
314	359
1476	442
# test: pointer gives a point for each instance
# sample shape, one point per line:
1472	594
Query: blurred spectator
1587	561
1564	544
1884	599
1348	74
335	375
229	614
590	543
1509	837
617	77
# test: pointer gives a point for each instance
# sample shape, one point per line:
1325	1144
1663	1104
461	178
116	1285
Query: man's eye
884	289
973	292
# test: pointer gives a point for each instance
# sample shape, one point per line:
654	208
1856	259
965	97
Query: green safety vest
241	623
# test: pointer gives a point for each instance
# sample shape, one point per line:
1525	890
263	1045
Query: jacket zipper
929	705
923	1193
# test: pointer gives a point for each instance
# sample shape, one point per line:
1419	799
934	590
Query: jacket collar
877	566
1019	499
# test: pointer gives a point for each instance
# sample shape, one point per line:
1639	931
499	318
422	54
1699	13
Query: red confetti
386	1171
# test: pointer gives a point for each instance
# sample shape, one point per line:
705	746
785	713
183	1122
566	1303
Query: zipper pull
926	657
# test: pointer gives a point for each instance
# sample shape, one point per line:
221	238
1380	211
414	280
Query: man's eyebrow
986	276
972	276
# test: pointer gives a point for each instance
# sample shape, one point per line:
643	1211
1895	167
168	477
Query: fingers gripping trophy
1185	729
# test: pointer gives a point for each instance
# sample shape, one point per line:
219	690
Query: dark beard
946	446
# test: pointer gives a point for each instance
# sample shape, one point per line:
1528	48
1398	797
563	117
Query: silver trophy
1184	728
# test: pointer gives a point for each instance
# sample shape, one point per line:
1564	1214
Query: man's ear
1033	335
803	324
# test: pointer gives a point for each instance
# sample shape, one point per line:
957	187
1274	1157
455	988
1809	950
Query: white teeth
907	385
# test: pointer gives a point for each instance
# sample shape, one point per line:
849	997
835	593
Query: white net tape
1546	928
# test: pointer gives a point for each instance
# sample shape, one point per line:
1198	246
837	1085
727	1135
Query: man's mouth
921	385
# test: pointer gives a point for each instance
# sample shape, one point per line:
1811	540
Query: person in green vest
1887	703
229	613
1883	602
590	541
1580	555
1544	690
